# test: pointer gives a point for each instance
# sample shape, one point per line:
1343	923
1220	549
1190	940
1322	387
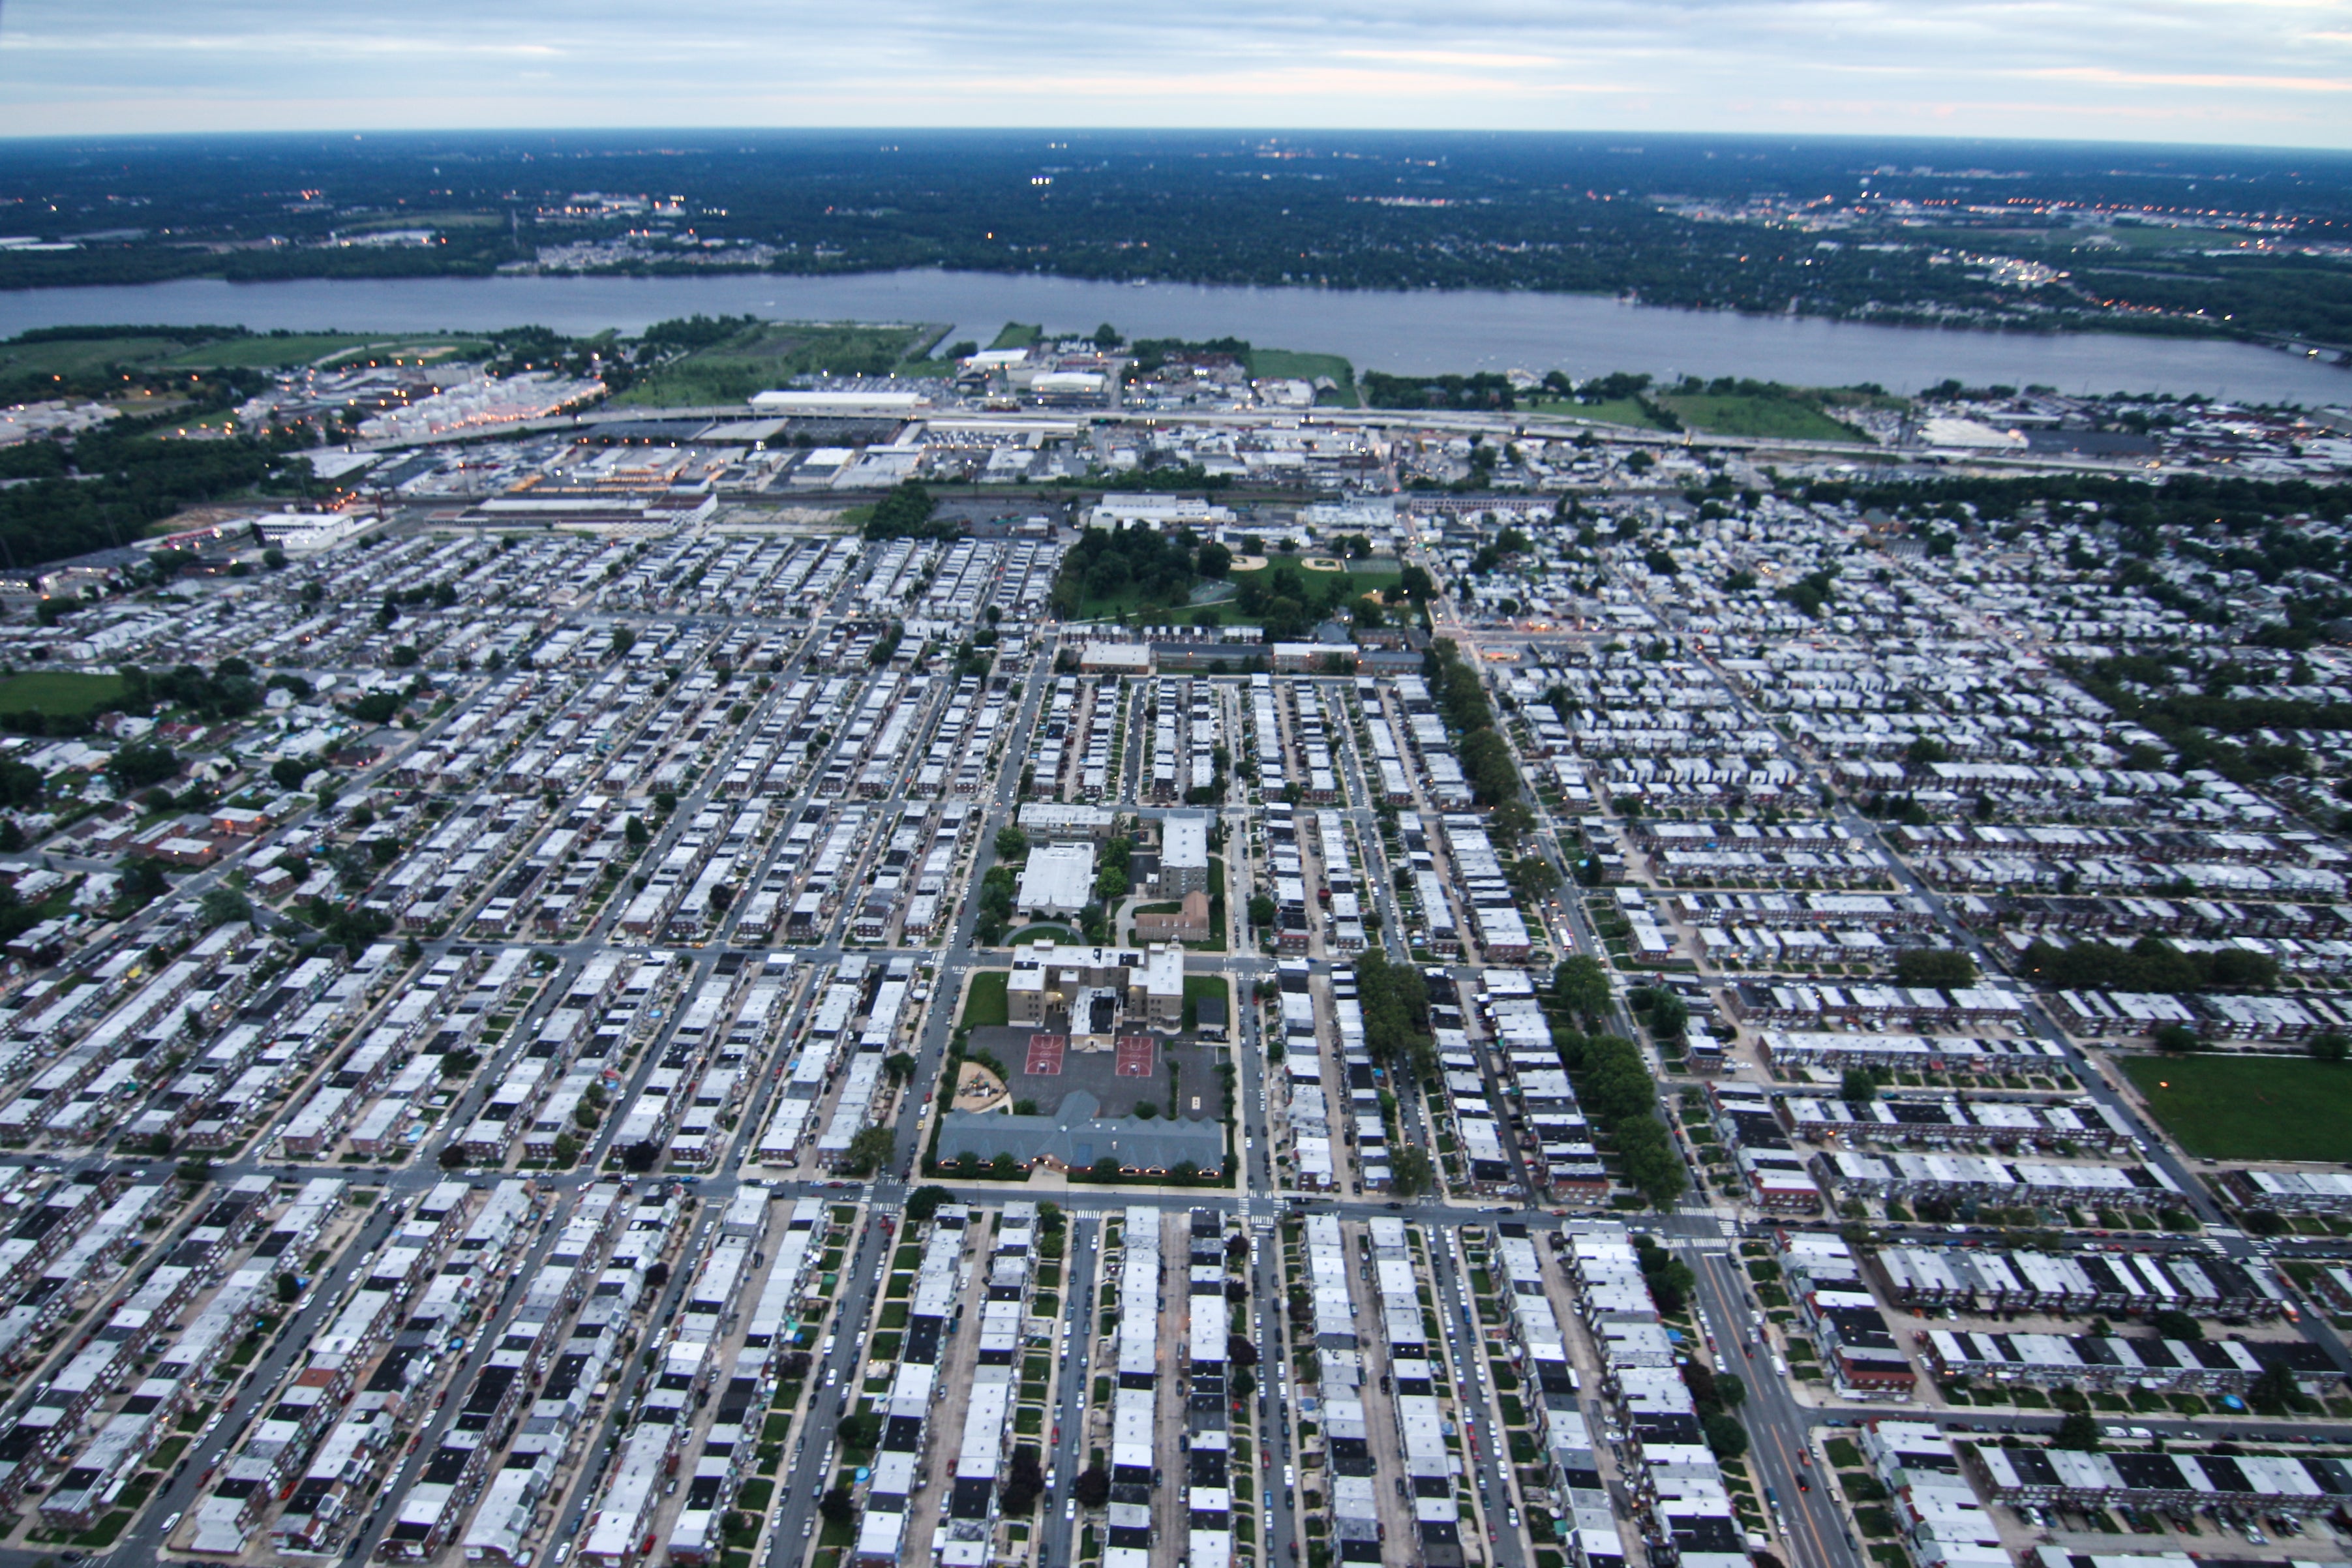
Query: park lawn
759	359
60	691
1624	411
1737	413
1017	335
1133	600
984	1006
2250	1107
1203	987
73	356
1289	364
268	352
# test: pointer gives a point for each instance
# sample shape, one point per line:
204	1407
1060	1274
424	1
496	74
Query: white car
1069	1511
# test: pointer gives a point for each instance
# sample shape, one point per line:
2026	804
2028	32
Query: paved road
1068	1457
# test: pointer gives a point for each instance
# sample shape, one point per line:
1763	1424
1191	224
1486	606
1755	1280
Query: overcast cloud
2276	72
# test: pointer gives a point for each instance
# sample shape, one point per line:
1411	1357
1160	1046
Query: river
1420	332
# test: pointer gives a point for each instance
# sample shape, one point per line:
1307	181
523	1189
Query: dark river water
1423	332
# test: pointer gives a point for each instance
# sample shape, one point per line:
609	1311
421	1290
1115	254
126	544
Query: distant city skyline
2245	72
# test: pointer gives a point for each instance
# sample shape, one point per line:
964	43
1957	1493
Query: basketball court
1138	1055
1045	1058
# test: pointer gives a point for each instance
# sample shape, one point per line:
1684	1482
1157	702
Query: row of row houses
1557	1139
1799	1050
1675	1488
1945	1122
2177	1483
618	1529
2119	1281
2118	1361
1983	1178
1355	1515
49	1417
885	1524
198	1355
2218	1015
365	1361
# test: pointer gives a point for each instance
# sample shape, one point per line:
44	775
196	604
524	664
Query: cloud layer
2275	72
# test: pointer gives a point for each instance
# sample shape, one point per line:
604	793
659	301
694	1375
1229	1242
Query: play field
61	692
2250	1107
769	355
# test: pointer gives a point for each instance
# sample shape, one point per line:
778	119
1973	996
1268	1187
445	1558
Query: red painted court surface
1045	1055
1137	1053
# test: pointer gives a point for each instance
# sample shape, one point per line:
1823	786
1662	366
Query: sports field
2250	1107
61	692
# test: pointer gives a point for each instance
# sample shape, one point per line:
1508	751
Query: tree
223	906
1011	843
924	1201
899	1067
1725	1437
861	1430
1241	1349
2329	1045
1729	1391
1092	1488
141	764
636	831
1582	985
1409	1170
2078	1430
837	1506
288	773
870	1151
1669	1014
2275	1392
2175	1324
1024	1481
288	1286
624	640
1943	967
1262	909
2176	1038
1857	1087
1005	1168
644	1154
1106	1169
567	1150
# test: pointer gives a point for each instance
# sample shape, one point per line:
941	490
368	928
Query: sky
2260	72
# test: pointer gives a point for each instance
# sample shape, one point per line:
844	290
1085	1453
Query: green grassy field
768	355
2250	1107
61	692
1737	415
1624	411
1290	365
1017	335
984	1006
75	356
264	352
